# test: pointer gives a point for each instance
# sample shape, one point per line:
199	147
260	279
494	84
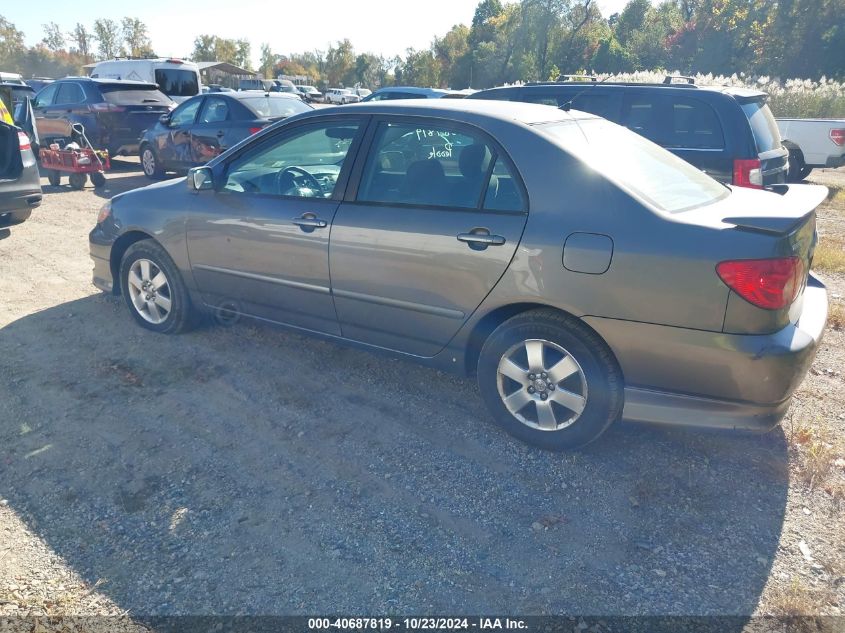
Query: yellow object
5	116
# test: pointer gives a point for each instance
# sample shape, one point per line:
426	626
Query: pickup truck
812	143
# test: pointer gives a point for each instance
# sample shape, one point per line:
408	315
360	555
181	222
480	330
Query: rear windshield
638	165
270	107
763	126
122	94
177	83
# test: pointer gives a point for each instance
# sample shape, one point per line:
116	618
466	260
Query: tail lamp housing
771	284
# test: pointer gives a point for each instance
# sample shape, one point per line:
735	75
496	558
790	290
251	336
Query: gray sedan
582	272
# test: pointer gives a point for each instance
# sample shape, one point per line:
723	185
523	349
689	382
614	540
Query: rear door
216	129
427	233
695	133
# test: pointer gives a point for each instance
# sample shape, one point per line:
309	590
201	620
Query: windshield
274	107
763	126
177	83
125	94
638	165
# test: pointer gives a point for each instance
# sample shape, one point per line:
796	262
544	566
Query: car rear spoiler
795	204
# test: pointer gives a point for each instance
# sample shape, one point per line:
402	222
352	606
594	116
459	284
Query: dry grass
797	600
830	255
836	315
815	454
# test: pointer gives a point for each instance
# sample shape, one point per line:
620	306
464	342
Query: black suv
115	113
729	133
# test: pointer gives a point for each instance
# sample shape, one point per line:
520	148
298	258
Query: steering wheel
295	175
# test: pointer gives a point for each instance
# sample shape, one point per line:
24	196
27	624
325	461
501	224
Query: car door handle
481	238
310	223
221	134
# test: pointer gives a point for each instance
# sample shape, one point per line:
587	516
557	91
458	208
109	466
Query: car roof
106	80
247	94
416	90
733	91
526	113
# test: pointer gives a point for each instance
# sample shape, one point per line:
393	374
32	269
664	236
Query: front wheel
150	164
153	289
550	380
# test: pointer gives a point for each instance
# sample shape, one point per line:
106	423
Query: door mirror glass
200	178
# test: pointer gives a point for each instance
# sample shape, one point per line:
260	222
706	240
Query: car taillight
105	107
748	173
255	130
23	141
771	284
838	136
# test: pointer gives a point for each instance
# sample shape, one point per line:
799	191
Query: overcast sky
386	27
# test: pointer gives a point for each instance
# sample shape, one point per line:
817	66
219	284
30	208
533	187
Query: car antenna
566	107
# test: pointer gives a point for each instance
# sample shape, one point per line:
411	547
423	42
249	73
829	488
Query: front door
435	222
259	244
174	145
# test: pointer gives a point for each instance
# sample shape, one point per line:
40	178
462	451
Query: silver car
583	273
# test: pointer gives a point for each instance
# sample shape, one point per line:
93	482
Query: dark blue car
206	125
114	113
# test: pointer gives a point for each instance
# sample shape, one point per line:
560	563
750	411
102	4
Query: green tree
268	62
53	39
12	46
81	38
136	38
107	34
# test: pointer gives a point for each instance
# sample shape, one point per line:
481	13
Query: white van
176	78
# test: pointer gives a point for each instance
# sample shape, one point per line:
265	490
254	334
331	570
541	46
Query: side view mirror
164	119
200	179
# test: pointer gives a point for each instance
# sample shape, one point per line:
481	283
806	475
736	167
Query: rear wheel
54	177
77	181
153	289
798	169
149	163
98	179
550	380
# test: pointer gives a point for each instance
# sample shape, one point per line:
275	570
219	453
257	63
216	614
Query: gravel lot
250	470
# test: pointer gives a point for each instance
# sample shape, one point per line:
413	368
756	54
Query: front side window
648	171
305	163
185	114
432	164
215	110
45	96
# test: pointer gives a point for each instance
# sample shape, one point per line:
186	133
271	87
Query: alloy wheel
149	290
542	385
148	162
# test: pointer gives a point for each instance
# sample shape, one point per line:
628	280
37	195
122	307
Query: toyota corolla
581	272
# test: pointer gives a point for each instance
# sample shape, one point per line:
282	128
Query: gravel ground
254	471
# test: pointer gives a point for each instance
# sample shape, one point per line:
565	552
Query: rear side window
274	107
694	126
215	110
177	83
763	126
641	114
124	94
437	165
69	93
643	168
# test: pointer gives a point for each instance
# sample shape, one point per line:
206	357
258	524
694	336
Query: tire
591	380
98	179
77	181
18	217
169	312
54	177
150	163
798	169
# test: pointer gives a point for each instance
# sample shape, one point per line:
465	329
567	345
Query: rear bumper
835	161
18	200
712	379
